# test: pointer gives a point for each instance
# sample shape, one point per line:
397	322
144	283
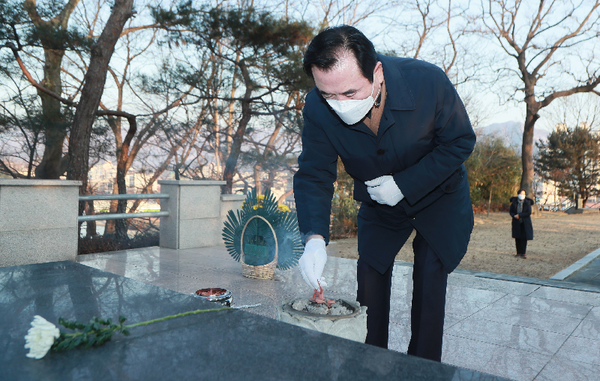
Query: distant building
282	183
101	179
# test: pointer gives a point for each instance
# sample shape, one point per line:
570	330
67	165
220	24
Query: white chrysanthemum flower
40	337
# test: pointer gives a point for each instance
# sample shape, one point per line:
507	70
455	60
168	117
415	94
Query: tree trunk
257	181
490	201
109	227
287	194
52	165
270	181
121	224
122	168
55	130
527	148
238	137
90	226
236	149
79	142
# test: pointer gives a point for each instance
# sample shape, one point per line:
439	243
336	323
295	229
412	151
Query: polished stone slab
225	345
543	307
590	326
510	336
585	270
529	319
568	295
581	349
516	364
563	369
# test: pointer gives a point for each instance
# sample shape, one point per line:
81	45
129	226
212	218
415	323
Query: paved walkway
519	328
587	270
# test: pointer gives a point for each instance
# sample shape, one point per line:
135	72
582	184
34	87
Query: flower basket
257	261
262	236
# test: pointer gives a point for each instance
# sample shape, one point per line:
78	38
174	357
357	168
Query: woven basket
262	271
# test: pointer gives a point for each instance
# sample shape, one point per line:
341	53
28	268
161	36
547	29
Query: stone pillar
38	221
578	202
230	202
194	213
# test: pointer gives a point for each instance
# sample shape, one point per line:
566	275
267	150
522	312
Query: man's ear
378	72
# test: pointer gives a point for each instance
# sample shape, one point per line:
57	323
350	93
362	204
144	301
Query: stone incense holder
219	295
344	318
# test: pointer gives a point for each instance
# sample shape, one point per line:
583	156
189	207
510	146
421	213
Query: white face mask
353	111
521	197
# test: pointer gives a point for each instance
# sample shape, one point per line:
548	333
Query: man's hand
312	262
384	190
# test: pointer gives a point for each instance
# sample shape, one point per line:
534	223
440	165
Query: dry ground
560	240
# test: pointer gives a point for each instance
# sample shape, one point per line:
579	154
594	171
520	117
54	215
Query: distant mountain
511	133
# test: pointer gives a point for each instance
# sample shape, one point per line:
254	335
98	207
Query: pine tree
571	158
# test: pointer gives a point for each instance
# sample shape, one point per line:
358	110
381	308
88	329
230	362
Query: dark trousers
521	244
428	304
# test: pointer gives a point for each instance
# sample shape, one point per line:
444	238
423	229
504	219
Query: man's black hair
325	49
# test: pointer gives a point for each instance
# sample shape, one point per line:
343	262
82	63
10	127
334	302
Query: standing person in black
522	228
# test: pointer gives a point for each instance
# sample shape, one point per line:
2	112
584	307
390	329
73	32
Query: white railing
119	216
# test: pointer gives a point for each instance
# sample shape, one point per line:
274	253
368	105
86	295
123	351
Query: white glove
312	262
384	190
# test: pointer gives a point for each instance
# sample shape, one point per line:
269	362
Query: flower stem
175	316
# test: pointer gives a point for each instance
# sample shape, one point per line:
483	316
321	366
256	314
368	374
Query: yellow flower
259	202
283	208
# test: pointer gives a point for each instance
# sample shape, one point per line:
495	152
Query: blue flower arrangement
263	233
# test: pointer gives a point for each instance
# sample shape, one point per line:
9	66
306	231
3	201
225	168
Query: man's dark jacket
524	218
423	140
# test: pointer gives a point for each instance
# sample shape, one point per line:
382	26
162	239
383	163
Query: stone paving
513	327
589	273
